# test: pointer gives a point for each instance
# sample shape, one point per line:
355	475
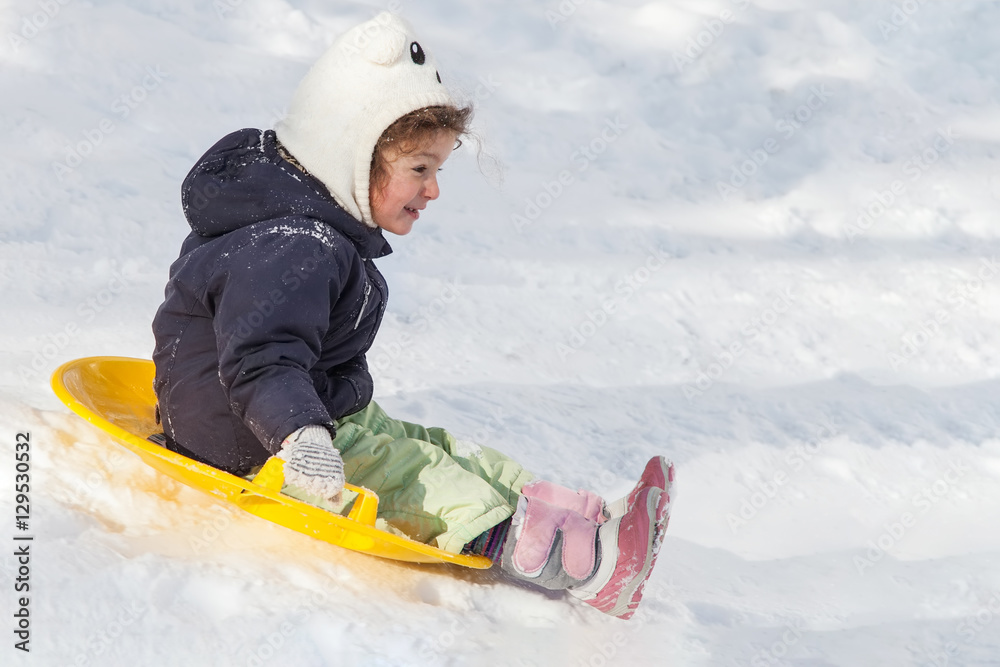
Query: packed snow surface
758	237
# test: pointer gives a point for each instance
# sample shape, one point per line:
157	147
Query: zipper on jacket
383	291
364	304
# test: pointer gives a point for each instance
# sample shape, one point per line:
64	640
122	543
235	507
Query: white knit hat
372	75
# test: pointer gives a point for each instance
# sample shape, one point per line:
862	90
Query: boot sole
660	529
622	603
658	473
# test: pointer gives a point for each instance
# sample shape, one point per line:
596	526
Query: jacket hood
242	180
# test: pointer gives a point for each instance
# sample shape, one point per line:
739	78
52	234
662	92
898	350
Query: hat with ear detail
387	48
371	76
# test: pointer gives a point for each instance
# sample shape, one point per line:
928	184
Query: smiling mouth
412	211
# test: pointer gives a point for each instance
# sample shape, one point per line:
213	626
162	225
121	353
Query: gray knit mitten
312	462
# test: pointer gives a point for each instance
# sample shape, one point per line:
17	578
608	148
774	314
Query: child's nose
431	190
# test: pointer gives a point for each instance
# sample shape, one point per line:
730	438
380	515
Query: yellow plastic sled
115	394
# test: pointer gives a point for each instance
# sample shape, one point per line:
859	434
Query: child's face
412	183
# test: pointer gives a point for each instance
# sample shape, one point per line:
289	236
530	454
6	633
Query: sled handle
364	511
272	475
365	505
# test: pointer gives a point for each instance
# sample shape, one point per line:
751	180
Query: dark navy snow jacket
268	311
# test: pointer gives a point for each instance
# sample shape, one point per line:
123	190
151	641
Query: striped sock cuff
490	543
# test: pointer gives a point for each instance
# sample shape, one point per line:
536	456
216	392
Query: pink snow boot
550	546
606	566
629	546
659	474
586	503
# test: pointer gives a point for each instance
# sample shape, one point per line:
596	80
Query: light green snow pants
431	487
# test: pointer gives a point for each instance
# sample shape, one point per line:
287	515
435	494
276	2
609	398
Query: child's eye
420	169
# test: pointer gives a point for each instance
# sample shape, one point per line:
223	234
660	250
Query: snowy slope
758	237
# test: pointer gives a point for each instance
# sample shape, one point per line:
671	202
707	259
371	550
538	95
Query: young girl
275	299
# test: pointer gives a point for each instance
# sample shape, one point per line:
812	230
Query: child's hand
312	462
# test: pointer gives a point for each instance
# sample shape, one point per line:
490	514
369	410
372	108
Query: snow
812	341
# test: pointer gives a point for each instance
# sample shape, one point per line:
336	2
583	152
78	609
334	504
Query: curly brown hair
408	133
